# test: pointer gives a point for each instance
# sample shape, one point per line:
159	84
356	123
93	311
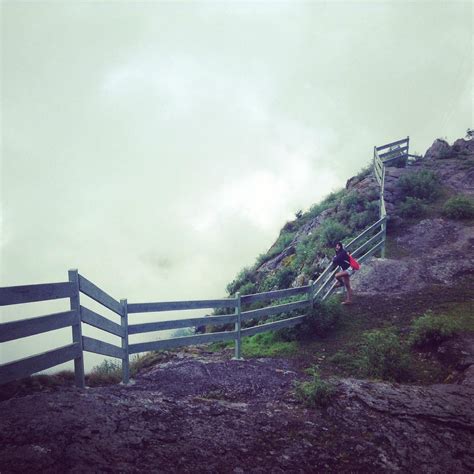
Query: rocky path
201	413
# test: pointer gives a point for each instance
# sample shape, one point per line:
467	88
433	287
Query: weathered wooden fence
366	244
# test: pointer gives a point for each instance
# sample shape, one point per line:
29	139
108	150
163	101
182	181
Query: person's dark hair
340	244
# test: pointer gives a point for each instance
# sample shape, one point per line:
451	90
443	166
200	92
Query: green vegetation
110	371
430	329
412	207
331	231
278	280
384	356
314	392
421	185
267	344
323	318
459	207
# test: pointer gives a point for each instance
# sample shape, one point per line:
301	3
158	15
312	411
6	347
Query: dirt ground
201	412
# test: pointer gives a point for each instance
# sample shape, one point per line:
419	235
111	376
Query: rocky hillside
389	387
415	197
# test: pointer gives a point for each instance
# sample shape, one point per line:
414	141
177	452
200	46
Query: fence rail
364	245
33	293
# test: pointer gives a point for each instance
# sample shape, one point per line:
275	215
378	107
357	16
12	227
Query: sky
159	147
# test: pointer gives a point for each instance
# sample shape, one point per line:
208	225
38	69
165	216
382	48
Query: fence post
126	359
238	327
382	204
310	294
75	305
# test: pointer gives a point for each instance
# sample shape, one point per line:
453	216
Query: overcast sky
160	147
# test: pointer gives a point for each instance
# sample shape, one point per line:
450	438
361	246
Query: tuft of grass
384	356
267	344
459	207
431	330
314	392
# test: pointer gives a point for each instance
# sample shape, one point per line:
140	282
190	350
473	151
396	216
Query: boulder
439	150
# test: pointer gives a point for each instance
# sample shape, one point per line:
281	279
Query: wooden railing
366	244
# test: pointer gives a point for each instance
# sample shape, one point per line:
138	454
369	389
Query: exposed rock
440	149
436	251
205	414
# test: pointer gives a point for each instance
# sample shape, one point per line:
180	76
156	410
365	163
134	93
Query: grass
314	392
384	356
431	330
107	373
267	344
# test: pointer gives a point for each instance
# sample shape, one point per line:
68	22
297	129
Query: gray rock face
439	150
200	413
436	251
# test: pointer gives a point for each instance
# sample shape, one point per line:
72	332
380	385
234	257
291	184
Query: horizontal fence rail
180	305
272	310
94	292
181	341
388	145
99	347
31	326
274	295
273	326
33	293
96	320
364	245
30	365
181	323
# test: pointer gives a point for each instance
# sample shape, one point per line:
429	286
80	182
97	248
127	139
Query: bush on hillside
422	185
332	231
383	356
245	276
320	320
412	207
278	280
314	392
429	330
459	207
365	171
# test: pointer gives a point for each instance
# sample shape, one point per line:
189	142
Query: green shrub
365	171
314	392
421	184
307	251
278	280
332	231
344	360
248	288
361	220
459	207
383	356
106	373
412	207
353	201
400	162
245	276
320	320
430	330
107	367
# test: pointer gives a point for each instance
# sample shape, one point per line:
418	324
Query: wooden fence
366	244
